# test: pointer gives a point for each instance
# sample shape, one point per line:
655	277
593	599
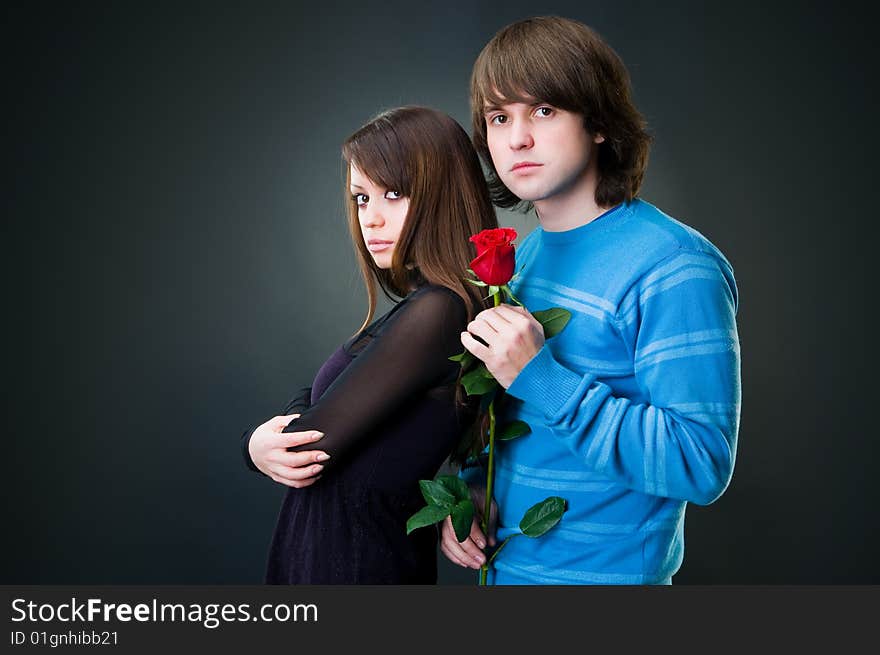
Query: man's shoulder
680	252
659	235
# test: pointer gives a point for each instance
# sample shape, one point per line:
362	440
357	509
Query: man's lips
524	165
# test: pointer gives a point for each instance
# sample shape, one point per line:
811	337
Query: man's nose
521	135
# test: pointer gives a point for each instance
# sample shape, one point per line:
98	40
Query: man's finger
476	535
449	546
495	318
467	551
483	330
473	346
452	557
471	545
512	314
493	522
456	548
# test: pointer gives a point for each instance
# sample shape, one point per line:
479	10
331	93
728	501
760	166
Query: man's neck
571	208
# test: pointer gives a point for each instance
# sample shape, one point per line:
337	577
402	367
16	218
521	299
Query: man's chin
526	192
528	196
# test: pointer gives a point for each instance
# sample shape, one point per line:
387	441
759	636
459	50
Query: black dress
385	401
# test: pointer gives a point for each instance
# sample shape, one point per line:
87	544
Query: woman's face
381	214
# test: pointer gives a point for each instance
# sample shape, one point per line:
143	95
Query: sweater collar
598	225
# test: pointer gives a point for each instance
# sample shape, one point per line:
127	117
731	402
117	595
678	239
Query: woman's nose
371	216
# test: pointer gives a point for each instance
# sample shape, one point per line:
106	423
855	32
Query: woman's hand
268	450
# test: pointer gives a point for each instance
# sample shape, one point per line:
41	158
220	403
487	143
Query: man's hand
513	336
268	449
469	553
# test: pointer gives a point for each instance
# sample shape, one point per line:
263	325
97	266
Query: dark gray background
178	264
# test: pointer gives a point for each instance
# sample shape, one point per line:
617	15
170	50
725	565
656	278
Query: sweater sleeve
680	321
408	356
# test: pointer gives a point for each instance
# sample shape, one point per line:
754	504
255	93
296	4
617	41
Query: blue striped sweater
634	407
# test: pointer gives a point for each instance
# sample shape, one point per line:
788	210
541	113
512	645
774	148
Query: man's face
539	151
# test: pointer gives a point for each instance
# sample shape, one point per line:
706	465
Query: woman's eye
393	195
545	111
499	119
360	199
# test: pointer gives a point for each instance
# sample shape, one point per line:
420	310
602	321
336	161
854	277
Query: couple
634	408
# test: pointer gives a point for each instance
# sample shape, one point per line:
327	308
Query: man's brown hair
566	64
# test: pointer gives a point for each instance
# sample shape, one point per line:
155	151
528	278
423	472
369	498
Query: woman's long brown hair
426	156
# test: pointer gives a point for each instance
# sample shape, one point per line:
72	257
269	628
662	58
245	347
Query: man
634	407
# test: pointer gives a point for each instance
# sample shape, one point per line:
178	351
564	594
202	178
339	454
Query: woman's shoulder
427	303
441	299
431	289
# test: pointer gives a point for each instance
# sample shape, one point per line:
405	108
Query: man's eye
393	195
360	198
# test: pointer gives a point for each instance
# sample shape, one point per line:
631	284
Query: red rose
495	261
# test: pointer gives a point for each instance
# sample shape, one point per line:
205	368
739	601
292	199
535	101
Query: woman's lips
379	246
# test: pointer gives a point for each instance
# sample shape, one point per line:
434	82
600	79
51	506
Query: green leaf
506	289
456	486
476	383
460	356
466	359
513	430
478	283
435	493
462	519
553	320
493	290
484	371
428	515
539	518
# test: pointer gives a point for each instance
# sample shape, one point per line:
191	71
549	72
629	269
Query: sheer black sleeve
407	356
295	405
298	403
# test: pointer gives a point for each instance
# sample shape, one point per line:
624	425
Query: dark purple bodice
349	527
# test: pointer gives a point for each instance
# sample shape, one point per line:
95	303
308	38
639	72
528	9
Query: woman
387	401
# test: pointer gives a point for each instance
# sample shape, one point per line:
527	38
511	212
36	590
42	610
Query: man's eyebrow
532	102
